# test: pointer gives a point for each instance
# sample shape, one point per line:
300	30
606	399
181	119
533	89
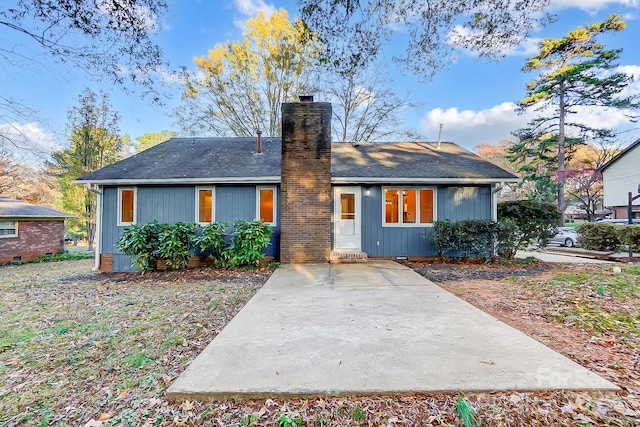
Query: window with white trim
127	210
409	206
8	229
205	205
266	204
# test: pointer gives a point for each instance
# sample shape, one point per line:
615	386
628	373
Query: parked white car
566	236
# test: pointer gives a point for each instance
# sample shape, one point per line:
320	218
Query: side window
408	206
205	205
8	229
126	206
266	204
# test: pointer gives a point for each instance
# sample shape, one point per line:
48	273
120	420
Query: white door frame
352	240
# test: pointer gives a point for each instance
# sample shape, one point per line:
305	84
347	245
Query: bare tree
365	108
584	180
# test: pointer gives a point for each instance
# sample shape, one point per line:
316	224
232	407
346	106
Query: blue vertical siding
458	203
235	202
232	202
171	204
166	204
454	203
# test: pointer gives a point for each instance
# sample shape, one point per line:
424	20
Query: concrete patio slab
362	329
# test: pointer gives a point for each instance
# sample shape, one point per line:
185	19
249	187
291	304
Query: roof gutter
165	181
276	180
376	180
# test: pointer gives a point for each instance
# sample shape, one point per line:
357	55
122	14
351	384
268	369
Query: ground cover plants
85	349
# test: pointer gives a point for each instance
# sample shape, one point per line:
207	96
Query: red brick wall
620	212
35	238
305	216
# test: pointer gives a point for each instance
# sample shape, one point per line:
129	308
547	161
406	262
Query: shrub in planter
142	242
247	241
213	239
598	236
176	241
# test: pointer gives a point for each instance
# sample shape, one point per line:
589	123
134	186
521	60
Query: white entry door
346	219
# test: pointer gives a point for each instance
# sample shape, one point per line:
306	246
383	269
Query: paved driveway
375	328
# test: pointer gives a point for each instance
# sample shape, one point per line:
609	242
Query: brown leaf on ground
81	348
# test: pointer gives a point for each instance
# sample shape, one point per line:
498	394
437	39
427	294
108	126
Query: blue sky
472	97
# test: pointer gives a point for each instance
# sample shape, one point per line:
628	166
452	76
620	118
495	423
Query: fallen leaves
77	333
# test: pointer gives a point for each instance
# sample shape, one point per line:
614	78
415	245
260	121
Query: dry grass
78	348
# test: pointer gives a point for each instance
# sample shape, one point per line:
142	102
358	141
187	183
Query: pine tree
574	71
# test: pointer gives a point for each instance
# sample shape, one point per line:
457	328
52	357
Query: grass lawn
88	349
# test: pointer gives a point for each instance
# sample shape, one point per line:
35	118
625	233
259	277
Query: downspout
97	238
494	200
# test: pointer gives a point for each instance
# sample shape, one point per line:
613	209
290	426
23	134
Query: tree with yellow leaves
239	86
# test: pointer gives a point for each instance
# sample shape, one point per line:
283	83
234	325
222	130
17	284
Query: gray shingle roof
235	160
412	160
10	208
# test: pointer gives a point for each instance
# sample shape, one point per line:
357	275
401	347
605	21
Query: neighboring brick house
29	231
325	200
620	176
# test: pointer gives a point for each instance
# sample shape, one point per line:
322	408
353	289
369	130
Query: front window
409	206
126	206
266	205
8	229
205	209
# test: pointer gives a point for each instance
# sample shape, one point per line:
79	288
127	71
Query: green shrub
148	243
465	239
536	221
599	236
443	238
508	237
247	241
141	242
175	244
629	235
213	239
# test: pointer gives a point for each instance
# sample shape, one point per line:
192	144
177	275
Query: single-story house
326	201
620	176
29	231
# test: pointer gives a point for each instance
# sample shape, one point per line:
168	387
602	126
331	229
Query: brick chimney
305	210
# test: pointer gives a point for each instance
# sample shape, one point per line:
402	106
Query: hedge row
599	236
148	243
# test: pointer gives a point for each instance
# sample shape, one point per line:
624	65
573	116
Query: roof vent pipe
259	132
306	98
440	136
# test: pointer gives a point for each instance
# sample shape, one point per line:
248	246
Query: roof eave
381	180
174	181
276	180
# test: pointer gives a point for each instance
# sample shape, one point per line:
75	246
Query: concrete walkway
360	329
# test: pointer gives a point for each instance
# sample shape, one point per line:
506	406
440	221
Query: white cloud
632	70
528	47
470	128
27	142
591	5
250	9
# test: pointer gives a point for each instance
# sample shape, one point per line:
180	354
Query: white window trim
135	206
409	224
15	234
275	205
213	204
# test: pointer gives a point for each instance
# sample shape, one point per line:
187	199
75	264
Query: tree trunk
561	156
